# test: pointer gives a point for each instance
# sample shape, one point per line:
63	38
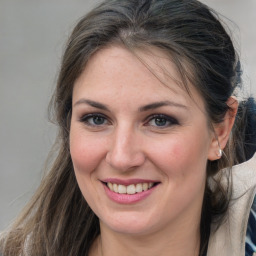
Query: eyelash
169	120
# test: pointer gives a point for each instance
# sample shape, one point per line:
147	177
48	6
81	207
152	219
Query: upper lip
128	181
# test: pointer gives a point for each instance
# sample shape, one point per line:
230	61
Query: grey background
32	37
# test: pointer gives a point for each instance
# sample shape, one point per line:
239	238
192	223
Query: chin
128	223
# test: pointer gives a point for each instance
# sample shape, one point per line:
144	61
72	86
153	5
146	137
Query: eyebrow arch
150	106
92	103
160	104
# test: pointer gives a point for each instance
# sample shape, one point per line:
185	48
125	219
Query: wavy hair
58	220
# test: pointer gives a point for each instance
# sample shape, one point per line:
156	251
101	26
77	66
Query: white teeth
110	186
145	186
115	188
138	187
121	189
130	189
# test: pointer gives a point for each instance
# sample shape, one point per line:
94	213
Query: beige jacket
229	239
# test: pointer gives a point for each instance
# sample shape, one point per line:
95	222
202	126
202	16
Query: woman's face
139	148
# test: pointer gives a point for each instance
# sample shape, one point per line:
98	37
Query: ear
222	130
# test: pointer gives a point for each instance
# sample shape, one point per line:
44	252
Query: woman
147	115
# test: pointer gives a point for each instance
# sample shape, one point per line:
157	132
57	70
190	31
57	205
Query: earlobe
222	130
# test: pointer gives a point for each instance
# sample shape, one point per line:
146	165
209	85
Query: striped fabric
250	242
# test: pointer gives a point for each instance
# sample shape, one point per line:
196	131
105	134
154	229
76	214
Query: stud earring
219	153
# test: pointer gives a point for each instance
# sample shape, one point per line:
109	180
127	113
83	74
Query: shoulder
244	176
231	236
243	205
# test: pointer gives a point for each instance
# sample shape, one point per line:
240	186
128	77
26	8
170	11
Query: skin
128	142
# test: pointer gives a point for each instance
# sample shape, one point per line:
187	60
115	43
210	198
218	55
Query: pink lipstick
129	191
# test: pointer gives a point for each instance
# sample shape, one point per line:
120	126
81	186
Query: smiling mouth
130	189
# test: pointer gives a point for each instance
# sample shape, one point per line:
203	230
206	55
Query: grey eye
159	121
94	119
162	121
98	120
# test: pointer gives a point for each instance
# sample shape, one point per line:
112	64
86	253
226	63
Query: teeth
138	187
115	188
145	186
110	185
130	189
121	189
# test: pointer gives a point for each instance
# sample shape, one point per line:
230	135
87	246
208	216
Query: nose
125	150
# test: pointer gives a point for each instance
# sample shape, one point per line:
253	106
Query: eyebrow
92	103
147	107
161	104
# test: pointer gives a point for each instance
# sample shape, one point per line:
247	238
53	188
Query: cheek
86	152
184	154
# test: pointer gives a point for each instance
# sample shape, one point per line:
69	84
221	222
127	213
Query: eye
161	121
94	120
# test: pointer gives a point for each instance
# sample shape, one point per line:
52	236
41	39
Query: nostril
123	162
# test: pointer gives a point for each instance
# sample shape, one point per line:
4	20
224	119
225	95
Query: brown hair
58	221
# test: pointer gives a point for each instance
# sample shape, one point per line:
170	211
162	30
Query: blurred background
32	38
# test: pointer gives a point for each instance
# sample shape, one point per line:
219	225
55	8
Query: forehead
116	71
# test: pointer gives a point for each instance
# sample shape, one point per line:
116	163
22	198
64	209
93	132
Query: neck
184	240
